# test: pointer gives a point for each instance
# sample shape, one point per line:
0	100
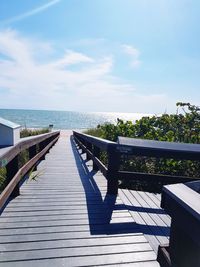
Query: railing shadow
100	205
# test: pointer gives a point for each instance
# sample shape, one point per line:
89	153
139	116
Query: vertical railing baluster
96	153
42	145
32	151
11	169
89	147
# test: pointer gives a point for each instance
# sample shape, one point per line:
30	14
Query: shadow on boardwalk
100	208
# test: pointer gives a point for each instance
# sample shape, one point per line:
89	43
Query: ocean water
64	119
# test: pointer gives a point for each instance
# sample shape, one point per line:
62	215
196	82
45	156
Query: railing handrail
92	145
8	153
135	146
99	142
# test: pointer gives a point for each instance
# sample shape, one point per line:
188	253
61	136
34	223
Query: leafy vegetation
2	178
31	132
184	126
180	127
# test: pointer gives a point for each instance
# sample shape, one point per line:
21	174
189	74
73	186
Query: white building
9	132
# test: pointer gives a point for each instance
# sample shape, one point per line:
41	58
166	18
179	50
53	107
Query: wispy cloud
134	53
75	81
31	12
71	58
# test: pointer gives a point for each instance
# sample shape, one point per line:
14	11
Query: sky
99	55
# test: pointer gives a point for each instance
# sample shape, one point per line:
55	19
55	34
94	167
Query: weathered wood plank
96	260
57	236
44	253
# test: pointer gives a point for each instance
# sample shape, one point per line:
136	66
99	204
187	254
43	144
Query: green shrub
183	127
2	178
31	132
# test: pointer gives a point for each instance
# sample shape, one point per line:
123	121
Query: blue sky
99	55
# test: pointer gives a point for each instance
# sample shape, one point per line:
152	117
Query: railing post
41	147
83	143
11	169
112	173
96	153
89	147
32	151
181	203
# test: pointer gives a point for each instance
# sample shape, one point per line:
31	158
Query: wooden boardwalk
65	218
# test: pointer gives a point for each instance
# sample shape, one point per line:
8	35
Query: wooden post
11	169
184	251
41	147
180	202
89	147
85	144
32	151
112	173
96	153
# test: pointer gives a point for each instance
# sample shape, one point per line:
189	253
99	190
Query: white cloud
134	54
130	50
31	12
75	81
71	58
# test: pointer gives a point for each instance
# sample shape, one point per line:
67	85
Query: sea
64	119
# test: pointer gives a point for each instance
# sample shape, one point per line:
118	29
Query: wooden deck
65	218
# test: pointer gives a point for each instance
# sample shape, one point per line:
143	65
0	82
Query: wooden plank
98	260
46	253
63	222
114	228
29	238
65	243
58	215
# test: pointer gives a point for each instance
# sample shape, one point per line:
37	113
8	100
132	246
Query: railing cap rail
8	153
161	145
186	197
103	143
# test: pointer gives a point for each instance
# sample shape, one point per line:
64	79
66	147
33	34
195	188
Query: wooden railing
179	200
37	147
138	147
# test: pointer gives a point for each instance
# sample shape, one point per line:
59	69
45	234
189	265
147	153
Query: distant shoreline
64	119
